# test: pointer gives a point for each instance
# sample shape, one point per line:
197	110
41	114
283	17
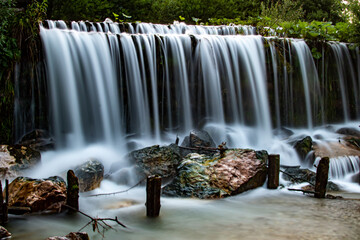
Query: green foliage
9	51
92	10
323	10
353	11
282	11
121	18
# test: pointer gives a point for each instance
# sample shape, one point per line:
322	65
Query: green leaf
126	16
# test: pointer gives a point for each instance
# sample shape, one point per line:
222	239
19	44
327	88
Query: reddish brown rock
202	176
72	236
38	194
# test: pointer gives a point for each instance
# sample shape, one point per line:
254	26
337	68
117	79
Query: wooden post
322	173
359	169
1	204
153	192
72	198
273	171
4	205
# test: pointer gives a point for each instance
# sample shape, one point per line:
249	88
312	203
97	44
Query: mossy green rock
216	176
156	160
303	147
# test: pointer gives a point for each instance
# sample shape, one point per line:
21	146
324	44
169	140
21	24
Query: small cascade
274	59
349	89
341	167
150	28
310	81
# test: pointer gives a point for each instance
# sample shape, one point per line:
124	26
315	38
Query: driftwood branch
113	193
97	223
201	148
297	178
300	190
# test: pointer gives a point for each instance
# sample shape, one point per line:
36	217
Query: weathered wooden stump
153	192
72	199
4	204
273	171
322	173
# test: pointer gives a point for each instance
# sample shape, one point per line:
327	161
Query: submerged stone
90	175
201	176
303	148
349	131
298	175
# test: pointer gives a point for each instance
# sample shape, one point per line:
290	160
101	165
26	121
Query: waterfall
309	79
83	87
345	70
134	85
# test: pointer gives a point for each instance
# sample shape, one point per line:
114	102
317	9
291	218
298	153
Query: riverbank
257	214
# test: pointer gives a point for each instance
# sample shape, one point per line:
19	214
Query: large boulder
156	160
72	236
38	139
38	194
233	172
14	159
90	175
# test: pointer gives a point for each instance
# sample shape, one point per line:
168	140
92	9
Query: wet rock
14	159
298	175
349	131
38	194
72	236
90	175
38	139
356	178
196	139
283	132
203	176
4	233
303	149
335	150
156	160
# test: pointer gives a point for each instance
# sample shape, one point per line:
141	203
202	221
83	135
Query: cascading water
111	85
117	87
345	70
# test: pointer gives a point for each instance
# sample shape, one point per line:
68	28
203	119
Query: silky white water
112	91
